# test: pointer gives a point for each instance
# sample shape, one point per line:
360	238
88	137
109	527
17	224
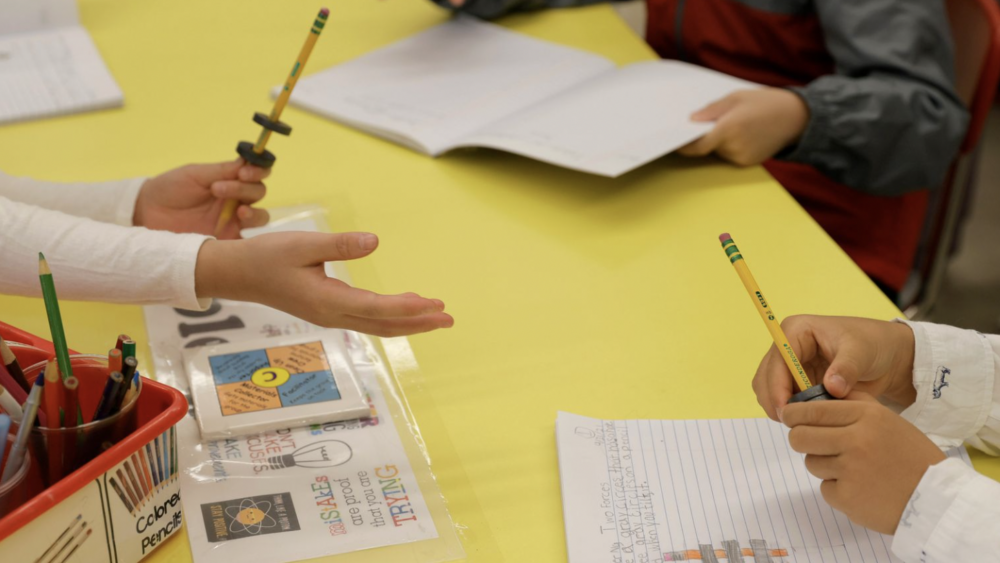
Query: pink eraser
724	237
325	11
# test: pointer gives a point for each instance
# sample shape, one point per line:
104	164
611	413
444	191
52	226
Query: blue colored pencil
4	429
107	402
27	422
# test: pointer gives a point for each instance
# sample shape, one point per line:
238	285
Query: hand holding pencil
190	199
844	353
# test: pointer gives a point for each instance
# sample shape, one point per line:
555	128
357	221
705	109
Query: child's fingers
208	173
704	145
716	109
823	466
773	383
816	440
240	191
822	413
400	327
370	305
251	173
251	218
314	248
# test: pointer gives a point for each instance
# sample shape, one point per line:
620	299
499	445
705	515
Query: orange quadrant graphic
236	398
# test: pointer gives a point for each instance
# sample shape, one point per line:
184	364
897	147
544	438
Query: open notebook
48	62
699	490
467	83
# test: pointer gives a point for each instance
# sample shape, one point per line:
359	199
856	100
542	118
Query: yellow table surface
605	297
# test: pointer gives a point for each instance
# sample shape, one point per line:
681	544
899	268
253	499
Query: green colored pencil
55	319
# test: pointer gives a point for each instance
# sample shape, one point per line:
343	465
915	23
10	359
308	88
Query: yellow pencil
272	122
770	319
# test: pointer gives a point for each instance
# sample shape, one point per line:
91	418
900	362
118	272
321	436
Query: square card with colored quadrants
281	382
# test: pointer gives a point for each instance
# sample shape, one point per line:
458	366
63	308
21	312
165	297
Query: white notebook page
53	72
440	85
699	490
617	121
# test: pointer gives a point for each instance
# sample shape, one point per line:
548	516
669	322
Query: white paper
652	490
430	90
301	493
25	16
467	83
617	121
48	63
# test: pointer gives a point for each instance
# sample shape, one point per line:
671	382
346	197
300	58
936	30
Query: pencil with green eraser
807	391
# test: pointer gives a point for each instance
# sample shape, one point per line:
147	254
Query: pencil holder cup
61	451
14	493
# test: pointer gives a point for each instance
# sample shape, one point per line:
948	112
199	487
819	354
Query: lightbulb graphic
325	453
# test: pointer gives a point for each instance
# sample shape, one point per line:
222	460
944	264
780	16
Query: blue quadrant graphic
311	387
233	368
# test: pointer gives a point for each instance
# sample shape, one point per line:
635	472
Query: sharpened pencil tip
43	265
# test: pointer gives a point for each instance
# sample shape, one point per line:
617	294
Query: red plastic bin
119	506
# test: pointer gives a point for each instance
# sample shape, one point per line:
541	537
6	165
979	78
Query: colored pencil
72	416
53	396
76	534
9	404
152	464
138	471
159	457
16	455
114	360
121	341
128	349
166	457
61	536
279	105
173	451
12	365
135	483
133	389
128	489
766	314
121	494
77	546
107	398
145	469
4	430
55	318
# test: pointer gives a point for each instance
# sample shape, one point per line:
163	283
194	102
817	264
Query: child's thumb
841	377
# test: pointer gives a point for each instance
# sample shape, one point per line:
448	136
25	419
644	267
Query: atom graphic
250	517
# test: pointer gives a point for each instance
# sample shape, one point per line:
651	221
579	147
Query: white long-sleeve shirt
954	514
86	234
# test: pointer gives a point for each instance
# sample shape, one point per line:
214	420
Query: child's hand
869	458
189	199
751	126
285	271
845	353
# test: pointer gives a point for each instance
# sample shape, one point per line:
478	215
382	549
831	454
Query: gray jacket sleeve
888	121
491	9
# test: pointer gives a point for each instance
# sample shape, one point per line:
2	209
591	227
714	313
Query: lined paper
49	65
637	491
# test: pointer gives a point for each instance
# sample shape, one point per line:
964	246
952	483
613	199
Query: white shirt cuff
186	261
953	515
125	211
953	373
